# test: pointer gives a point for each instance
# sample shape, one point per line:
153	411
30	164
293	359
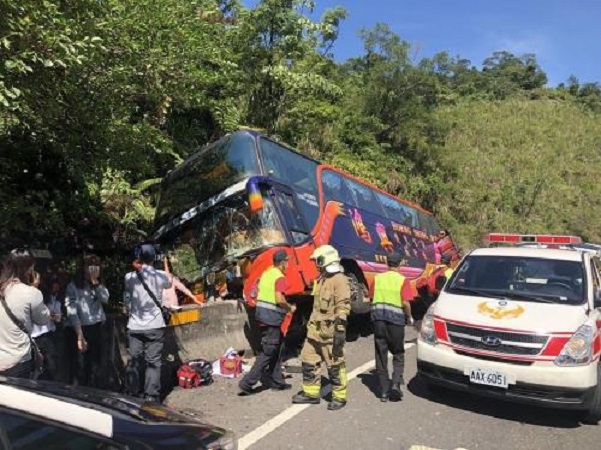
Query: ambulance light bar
532	238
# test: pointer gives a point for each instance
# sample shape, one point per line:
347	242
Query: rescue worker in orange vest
390	312
270	312
326	331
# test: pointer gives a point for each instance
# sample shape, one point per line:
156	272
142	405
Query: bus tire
360	304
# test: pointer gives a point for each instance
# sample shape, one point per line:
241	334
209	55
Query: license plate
489	378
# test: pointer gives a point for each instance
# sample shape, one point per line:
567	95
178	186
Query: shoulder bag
36	355
164	310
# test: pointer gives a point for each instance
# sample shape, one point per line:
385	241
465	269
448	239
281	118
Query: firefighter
326	331
271	309
390	311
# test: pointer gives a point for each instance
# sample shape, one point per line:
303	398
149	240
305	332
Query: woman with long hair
84	300
22	306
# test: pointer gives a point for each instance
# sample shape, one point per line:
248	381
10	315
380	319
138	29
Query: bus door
296	229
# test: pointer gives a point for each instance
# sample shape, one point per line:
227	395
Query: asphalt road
448	420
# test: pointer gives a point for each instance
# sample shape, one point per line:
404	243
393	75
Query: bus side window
427	223
334	188
292	217
397	211
365	197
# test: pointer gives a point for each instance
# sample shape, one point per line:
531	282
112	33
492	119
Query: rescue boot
335	405
302	398
384	397
395	394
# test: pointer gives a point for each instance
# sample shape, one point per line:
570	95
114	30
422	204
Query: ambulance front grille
502	342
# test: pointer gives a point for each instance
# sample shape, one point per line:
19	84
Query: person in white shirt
84	300
146	326
22	307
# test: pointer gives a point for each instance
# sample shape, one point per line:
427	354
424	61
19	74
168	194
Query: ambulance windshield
522	278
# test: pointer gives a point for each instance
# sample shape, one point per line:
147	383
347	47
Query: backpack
195	373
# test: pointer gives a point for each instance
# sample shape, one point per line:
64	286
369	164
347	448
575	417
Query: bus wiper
477	292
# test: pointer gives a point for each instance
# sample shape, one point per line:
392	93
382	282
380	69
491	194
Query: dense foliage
99	99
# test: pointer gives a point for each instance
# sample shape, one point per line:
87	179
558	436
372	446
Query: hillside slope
521	165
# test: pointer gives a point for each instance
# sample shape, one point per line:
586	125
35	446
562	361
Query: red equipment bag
230	366
198	372
187	377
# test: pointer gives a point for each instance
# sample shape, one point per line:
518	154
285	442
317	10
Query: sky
564	35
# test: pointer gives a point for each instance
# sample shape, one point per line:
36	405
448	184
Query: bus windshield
206	174
219	235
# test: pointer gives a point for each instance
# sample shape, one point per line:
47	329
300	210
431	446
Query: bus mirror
440	282
255	199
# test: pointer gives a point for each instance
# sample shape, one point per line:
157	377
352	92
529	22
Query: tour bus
224	212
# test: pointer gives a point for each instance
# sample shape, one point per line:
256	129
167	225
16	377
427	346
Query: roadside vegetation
99	99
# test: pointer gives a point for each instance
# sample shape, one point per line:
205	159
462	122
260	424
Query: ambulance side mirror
440	282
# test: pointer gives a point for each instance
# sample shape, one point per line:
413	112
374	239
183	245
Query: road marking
272	424
423	447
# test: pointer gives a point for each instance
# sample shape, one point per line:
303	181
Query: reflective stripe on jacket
387	303
268	311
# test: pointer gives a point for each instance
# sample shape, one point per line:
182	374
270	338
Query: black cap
145	252
279	257
394	259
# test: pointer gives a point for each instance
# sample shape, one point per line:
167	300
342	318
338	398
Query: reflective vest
448	273
268	311
388	304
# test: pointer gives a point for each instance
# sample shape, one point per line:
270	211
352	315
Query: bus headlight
427	332
579	349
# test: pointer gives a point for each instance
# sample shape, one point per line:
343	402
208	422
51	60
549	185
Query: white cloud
538	44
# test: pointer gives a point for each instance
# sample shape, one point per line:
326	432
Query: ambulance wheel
434	389
593	415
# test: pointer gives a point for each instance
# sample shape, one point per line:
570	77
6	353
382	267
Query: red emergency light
509	238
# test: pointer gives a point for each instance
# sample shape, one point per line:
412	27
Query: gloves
339	338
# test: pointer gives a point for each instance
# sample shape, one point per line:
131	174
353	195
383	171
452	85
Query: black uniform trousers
146	353
389	337
268	365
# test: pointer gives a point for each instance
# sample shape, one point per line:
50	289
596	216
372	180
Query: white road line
423	447
272	424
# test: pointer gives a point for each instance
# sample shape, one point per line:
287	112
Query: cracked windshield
226	231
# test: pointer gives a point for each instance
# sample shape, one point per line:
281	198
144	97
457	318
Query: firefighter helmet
325	255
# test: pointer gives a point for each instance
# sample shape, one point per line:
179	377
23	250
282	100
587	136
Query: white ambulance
521	324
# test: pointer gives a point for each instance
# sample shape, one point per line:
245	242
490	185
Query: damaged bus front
217	212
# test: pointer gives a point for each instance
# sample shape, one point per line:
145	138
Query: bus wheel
359	302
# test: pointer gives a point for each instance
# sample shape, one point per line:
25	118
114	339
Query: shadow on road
499	409
370	380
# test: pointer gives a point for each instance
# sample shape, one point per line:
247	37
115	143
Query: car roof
90	409
527	252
